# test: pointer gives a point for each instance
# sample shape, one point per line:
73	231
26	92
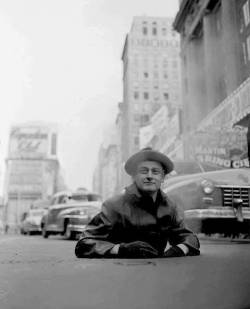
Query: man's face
149	176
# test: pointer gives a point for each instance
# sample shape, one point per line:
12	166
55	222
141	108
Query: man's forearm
93	248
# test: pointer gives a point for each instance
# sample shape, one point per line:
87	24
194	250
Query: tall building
32	168
151	76
215	63
107	173
215	52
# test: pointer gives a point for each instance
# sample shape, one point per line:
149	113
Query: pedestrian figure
142	222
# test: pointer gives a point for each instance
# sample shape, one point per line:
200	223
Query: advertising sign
25	176
159	120
32	176
29	142
224	149
146	134
155	43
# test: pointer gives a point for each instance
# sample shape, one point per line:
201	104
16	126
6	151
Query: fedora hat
148	154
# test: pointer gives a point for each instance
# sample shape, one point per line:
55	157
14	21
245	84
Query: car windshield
85	197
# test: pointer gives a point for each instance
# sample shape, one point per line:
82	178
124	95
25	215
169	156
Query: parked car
63	197
31	221
213	202
69	219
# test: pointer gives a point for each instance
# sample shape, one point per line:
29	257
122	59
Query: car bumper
216	213
77	228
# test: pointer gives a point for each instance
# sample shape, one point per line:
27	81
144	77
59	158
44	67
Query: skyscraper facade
215	62
151	76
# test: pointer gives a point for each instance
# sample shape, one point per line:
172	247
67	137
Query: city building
215	65
32	169
163	133
151	77
106	179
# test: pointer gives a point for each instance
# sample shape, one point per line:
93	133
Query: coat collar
133	194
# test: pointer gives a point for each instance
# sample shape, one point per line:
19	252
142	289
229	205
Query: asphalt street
39	273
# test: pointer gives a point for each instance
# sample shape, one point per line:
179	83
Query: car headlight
207	186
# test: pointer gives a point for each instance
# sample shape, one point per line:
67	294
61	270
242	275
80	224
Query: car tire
45	233
68	233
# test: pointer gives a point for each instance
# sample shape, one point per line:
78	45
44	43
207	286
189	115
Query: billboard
25	176
223	149
31	142
146	134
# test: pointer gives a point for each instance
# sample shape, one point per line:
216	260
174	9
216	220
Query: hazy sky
60	61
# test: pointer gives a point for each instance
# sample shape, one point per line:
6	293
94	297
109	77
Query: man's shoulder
114	199
170	203
114	202
174	208
167	200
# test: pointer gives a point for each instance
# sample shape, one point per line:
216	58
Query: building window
165	75
154	31
145	74
136	95
146	95
164	31
145	30
165	95
248	47
246	13
144	119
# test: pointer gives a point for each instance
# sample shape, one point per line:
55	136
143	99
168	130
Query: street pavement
39	273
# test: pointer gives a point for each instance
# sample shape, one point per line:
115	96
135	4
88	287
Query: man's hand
174	251
137	249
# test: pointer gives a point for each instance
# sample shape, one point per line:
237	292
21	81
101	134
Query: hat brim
149	155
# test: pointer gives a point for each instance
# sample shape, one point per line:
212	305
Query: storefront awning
234	110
